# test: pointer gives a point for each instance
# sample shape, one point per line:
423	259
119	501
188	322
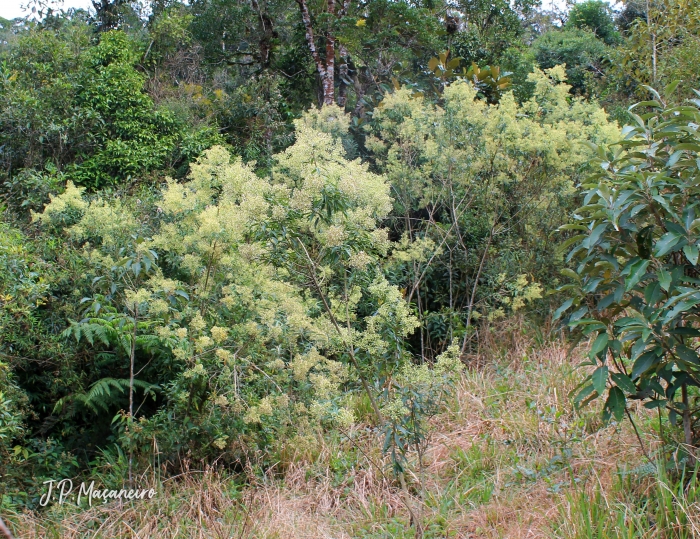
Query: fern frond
103	394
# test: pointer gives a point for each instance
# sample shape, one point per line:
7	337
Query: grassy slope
509	458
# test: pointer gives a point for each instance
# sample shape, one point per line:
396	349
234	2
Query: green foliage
478	188
489	80
625	511
489	28
594	16
134	137
30	361
418	394
661	45
86	114
254	308
580	50
304	273
636	248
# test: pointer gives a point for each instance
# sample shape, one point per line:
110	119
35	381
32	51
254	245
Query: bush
594	16
636	280
478	189
251	309
87	114
583	54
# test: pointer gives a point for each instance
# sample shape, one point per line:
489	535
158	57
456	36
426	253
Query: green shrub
636	252
583	54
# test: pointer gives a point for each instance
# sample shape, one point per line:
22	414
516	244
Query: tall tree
326	65
107	13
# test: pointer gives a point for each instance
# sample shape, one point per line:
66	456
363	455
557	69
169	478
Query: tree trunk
328	80
268	33
652	32
343	67
326	66
325	71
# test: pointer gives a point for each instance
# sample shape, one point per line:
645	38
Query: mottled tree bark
322	68
326	66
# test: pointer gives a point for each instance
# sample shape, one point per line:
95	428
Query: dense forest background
231	226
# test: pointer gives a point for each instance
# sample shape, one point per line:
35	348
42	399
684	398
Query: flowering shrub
479	190
253	308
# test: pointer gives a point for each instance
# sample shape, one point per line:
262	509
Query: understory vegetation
378	269
508	457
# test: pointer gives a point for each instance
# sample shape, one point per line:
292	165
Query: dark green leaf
623	381
616	403
599	379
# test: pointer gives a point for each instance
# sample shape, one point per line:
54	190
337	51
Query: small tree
636	282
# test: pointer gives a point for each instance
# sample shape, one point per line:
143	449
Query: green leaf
666	243
564	306
664	279
591	285
605	302
572	274
656	403
616	403
624	382
691	253
595	235
636	273
687	354
691	332
600	344
674	158
670	88
652	293
585	392
680	307
643	364
599	379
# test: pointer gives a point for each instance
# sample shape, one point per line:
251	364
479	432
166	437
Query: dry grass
499	464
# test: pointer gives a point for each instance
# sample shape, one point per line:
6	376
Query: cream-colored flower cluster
251	329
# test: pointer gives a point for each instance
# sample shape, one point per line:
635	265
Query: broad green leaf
616	403
571	274
585	392
599	379
656	403
599	344
623	381
666	243
680	307
643	364
557	314
637	272
605	302
592	285
687	354
595	235
691	252
652	293
670	88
